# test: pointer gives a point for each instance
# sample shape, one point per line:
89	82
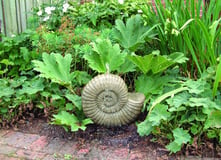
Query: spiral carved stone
105	99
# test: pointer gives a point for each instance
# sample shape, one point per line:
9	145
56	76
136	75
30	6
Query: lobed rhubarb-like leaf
105	54
55	67
156	63
133	33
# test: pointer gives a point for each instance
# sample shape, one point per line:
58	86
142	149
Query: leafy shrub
190	28
103	14
58	70
181	111
16	54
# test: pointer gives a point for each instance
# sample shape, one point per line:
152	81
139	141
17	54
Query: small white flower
48	10
121	1
65	7
39	13
12	35
139	11
46	18
52	8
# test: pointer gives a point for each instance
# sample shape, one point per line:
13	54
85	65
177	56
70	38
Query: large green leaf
105	55
149	85
75	99
55	67
67	119
133	33
143	63
155	62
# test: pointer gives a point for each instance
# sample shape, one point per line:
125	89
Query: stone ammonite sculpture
105	99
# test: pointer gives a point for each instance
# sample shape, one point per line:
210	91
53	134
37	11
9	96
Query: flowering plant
51	14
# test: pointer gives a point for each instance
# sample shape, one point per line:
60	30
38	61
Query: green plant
155	62
181	28
16	54
132	34
184	111
50	14
58	69
68	157
217	78
103	14
105	56
18	96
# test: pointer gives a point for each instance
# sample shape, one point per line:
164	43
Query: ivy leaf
133	33
214	120
145	127
55	67
181	136
173	147
105	54
159	113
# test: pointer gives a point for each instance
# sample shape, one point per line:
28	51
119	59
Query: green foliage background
171	54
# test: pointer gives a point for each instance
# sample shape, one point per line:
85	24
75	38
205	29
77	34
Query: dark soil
117	137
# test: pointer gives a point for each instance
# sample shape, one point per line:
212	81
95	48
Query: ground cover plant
170	53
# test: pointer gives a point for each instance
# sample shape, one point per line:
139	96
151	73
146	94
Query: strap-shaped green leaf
55	67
